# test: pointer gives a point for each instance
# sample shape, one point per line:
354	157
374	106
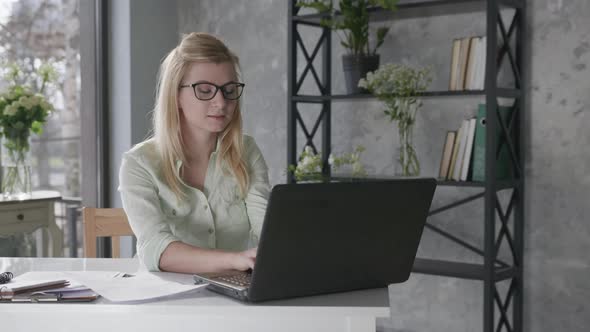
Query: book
462	65
468	150
445	160
454	154
471	63
454	64
480	72
474	63
503	161
461	152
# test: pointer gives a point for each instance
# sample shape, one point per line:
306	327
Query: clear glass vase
408	164
16	168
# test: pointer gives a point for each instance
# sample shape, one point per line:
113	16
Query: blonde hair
194	47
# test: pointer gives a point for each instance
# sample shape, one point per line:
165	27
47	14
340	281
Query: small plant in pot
352	18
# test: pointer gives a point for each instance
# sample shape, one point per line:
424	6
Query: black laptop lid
328	237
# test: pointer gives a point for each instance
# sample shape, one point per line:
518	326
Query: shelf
415	12
460	270
507	184
499	184
501	93
418	8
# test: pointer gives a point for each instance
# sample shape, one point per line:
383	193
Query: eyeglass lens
206	91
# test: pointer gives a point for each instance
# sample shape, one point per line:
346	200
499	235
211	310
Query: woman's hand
244	260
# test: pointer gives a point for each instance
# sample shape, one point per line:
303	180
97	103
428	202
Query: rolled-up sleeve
259	189
141	203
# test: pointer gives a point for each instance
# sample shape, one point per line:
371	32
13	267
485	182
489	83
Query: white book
481	77
454	64
462	64
473	84
453	162
471	63
461	151
468	150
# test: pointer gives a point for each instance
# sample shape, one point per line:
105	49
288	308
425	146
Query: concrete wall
262	53
557	158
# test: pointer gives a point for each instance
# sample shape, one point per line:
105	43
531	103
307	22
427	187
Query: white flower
27	102
45	105
306	161
357	167
11	109
300	164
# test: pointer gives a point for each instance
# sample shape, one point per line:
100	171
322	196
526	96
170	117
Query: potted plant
352	19
399	86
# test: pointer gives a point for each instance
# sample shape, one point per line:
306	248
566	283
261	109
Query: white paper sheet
135	287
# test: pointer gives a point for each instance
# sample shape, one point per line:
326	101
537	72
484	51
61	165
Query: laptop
320	238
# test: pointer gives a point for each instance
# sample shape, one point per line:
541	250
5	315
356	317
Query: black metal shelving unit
501	224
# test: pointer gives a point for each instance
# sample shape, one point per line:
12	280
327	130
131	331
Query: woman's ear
178	107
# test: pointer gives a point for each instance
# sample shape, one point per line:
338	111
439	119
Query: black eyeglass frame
217	88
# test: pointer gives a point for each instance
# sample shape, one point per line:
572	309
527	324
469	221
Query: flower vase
16	167
408	164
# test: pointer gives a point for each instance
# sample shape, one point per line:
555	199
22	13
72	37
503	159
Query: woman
196	192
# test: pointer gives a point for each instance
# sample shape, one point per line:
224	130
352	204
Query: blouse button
206	207
173	212
211	230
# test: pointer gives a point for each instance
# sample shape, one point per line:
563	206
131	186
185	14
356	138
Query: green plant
309	167
352	159
22	111
352	19
399	86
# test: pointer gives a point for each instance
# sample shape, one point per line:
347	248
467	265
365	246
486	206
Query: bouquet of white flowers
399	87
22	111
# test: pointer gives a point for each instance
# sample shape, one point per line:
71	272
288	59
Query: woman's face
213	115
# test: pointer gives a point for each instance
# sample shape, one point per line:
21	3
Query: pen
123	275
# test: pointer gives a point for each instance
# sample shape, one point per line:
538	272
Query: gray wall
557	159
258	36
141	34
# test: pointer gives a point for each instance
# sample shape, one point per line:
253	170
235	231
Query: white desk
204	311
28	215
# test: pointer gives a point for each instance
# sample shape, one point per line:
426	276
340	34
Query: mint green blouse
213	218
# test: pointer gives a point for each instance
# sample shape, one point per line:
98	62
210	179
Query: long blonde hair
194	47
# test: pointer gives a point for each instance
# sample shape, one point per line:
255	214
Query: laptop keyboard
240	279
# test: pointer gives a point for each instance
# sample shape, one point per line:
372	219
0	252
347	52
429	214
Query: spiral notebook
24	289
16	288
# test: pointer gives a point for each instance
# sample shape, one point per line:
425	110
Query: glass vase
16	167
408	164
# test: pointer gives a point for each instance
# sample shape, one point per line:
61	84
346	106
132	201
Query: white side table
28	215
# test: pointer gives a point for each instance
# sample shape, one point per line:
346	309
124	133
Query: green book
504	162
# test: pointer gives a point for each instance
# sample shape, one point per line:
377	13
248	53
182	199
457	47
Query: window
33	32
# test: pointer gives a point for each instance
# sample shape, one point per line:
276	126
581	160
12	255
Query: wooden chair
99	222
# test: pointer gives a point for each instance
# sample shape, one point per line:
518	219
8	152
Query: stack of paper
135	287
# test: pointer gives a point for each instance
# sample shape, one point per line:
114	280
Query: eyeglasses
207	91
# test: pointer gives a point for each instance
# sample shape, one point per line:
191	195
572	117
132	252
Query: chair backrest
99	222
